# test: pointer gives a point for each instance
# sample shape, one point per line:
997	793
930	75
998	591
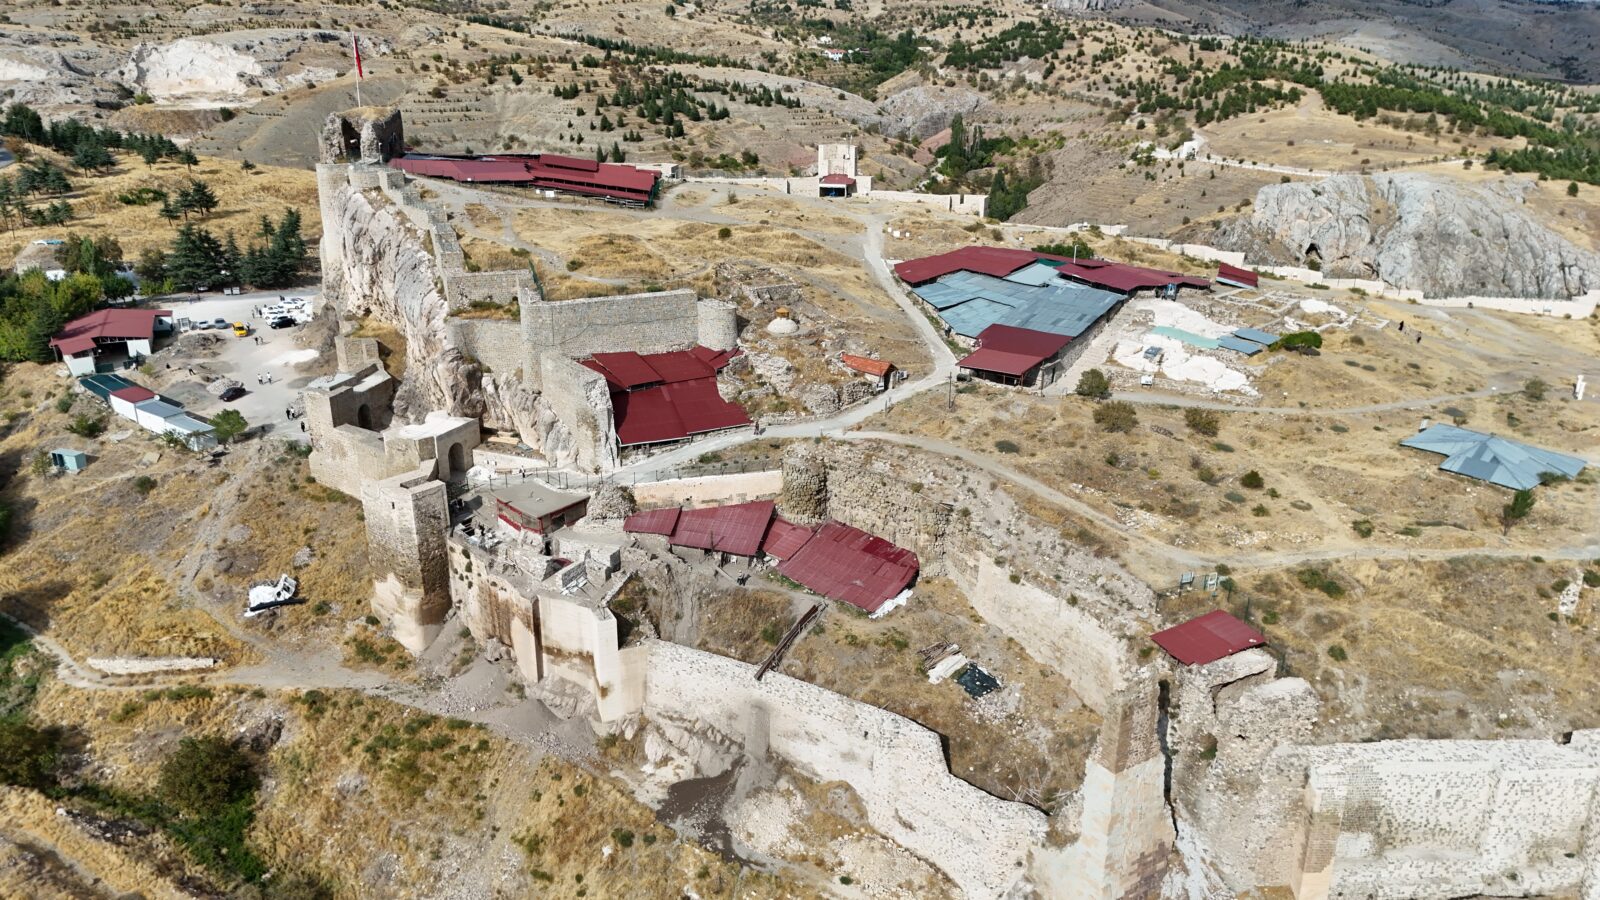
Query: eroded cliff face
376	266
1421	232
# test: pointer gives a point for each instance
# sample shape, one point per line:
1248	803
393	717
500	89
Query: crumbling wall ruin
406	518
1384	820
895	765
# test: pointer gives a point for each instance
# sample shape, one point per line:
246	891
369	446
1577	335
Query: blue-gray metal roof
188	424
970	302
1239	345
1491	458
1252	334
159	409
102	386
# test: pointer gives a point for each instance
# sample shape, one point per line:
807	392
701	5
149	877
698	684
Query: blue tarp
1491	458
1188	337
1252	334
1239	345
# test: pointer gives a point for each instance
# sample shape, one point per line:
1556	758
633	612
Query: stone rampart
896	766
645	323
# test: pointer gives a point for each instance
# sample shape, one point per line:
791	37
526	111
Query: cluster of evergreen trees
88	145
199	259
33	308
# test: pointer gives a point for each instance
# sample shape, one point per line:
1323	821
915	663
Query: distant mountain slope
1546	38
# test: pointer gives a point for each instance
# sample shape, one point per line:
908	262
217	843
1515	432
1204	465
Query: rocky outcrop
377	268
1419	232
231	66
923	111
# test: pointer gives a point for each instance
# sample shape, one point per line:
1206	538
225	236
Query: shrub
1337	653
1222	448
1534	389
144	484
1591	578
1260	510
204	775
1202	421
27	754
64	403
1007	446
1233	497
1363	527
1117	415
1252	480
1093	383
86	426
724	233
1299	339
1319	580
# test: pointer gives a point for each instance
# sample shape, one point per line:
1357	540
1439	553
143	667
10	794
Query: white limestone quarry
230	67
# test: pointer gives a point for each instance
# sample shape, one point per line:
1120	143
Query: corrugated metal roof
738	529
1252	334
1001	362
995	261
115	324
544	170
652	521
1237	276
103	385
134	394
627	369
188	424
1010	339
1491	458
971	302
1208	638
839	180
1239	345
158	408
784	539
848	564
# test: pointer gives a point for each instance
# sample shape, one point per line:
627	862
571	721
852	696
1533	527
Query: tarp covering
1208	638
1253	334
976	682
1239	345
849	564
970	303
1491	458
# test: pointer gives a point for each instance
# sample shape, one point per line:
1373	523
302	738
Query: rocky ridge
1416	231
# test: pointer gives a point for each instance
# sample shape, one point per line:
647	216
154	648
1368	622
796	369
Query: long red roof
542	170
849	564
737	529
1236	275
657	397
996	261
1125	279
116	324
1208	638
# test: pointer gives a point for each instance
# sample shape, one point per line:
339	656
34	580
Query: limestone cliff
1416	231
376	267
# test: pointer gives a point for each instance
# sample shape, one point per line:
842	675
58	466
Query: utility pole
950	404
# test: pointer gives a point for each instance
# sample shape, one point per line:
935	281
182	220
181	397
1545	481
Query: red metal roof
543	170
627	370
677	366
1001	362
115	324
1236	275
849	564
784	539
996	261
878	367
134	394
844	180
737	529
670	412
652	521
1010	339
1208	638
1123	278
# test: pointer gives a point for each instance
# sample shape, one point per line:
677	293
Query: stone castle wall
896	766
646	323
406	519
495	343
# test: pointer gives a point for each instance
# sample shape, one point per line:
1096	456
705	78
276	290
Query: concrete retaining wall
895	765
709	489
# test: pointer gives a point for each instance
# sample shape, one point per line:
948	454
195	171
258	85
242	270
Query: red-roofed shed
652	521
1012	353
1126	279
659	397
550	171
80	339
1208	638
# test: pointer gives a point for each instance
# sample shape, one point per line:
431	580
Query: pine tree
172	212
42	326
196	260
198	197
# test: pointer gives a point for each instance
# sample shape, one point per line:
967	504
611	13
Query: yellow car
241	329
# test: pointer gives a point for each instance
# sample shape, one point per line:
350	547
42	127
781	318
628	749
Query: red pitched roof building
661	397
547	171
1013	355
83	339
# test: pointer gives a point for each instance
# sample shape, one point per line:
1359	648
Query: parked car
281	322
232	394
240	329
202	325
219	323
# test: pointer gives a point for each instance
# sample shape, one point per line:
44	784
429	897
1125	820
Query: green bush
1338	654
204	775
28	755
1321	581
1298	339
144	484
1093	383
1252	480
1007	447
1363	527
1118	415
1202	421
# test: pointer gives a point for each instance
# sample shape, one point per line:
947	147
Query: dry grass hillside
245	196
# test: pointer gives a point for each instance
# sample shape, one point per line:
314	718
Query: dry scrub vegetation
244	197
1465	647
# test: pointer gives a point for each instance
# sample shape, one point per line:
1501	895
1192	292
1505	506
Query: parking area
264	404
